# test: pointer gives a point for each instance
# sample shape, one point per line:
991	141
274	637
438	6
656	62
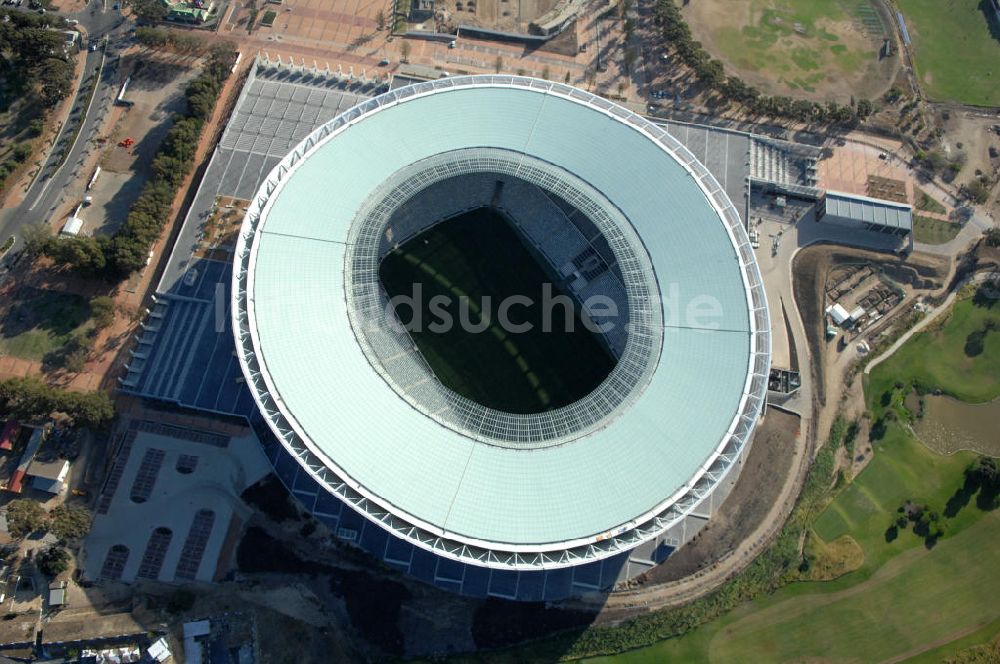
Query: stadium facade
475	500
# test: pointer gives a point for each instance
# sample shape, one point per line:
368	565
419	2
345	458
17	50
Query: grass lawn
478	255
928	203
802	41
39	322
957	50
906	598
937	358
934	231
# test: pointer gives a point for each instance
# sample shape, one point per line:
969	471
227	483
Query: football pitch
957	48
477	257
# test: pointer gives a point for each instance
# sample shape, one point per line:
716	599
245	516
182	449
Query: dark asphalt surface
100	20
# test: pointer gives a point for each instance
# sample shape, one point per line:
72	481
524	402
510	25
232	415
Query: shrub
53	561
102	310
24	517
29	399
70	521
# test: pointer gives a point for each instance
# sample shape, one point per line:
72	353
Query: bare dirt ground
971	134
760	482
811	269
499	14
714	22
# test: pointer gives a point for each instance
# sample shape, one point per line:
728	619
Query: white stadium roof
687	401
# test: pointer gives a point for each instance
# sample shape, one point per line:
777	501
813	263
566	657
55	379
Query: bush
53	561
102	310
993	237
70	521
24	517
29	399
21	152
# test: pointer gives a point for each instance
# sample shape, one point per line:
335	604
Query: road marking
83	122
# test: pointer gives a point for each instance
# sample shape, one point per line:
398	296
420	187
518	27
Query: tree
380	20
404	51
70	521
24	517
993	237
936	160
978	191
864	109
102	310
55	77
36	238
21	152
31	400
498	64
53	561
83	254
566	79
546	72
148	10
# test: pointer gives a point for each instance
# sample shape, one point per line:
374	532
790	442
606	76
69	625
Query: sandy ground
714	20
972	134
758	487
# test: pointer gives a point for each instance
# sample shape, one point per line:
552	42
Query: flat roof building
865	212
49	476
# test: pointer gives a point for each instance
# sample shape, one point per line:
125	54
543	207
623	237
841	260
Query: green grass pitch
957	49
478	255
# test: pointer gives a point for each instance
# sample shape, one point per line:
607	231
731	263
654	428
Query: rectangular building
863	212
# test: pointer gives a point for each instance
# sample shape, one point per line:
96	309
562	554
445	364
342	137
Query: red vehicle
127	143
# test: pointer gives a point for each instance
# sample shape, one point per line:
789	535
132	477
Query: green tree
53	561
24	516
864	109
404	51
21	152
36	238
993	237
83	254
31	400
102	310
148	10
380	20
936	161
55	77
978	191
70	521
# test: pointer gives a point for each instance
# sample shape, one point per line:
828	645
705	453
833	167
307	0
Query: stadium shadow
992	17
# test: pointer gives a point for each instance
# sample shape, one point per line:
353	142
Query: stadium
525	466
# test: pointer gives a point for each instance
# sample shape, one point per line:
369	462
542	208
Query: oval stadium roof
610	486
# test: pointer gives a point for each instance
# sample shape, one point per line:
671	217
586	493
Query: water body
949	425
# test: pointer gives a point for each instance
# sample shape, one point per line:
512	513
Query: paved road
99	20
